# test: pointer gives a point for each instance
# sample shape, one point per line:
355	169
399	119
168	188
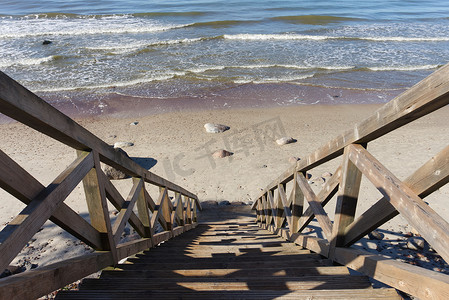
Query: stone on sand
113	173
221	153
285	140
293	159
123	144
376	235
215	128
416	243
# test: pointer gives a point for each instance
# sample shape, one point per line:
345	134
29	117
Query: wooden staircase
228	259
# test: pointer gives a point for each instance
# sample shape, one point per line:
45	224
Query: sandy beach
176	146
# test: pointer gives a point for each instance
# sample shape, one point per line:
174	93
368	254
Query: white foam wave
286	36
281	79
75	27
25	61
404	39
114	84
298	67
129	48
267	66
205	69
404	68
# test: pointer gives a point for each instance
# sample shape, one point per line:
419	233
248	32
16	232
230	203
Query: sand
176	146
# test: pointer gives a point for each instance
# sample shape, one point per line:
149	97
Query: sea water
174	49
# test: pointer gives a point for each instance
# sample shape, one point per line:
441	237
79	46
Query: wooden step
231	284
344	294
227	264
261	272
229	260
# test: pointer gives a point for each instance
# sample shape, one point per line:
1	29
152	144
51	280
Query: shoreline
84	105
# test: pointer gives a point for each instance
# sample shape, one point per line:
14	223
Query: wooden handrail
287	219
47	203
423	98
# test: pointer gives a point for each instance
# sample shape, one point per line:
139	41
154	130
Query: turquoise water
172	49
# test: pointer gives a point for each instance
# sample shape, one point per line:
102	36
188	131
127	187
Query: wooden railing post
348	194
143	210
94	190
297	204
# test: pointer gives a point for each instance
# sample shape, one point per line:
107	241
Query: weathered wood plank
348	194
427	179
272	206
94	190
416	281
22	228
179	208
429	224
315	204
42	281
297	202
423	98
329	189
284	201
143	211
126	210
19	183
279	220
117	201
158	213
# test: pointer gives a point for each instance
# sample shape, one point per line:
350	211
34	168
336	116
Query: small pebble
285	140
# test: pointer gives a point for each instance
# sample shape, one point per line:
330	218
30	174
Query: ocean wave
113	84
267	66
280	79
29	61
285	36
223	23
58	15
288	36
404	68
142	47
76	27
402	39
314	19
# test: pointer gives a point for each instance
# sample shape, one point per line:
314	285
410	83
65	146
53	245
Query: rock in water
123	144
285	140
221	153
47	42
215	128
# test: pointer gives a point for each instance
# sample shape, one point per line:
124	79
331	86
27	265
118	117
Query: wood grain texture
427	179
429	224
19	183
315	204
